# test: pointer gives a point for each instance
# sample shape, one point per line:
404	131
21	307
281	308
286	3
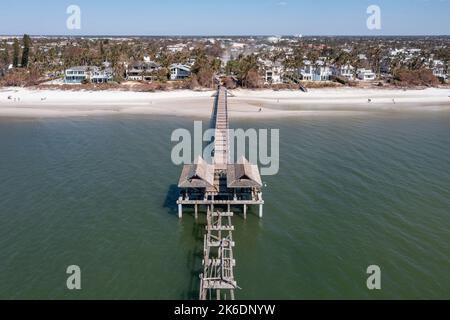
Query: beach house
366	74
439	70
272	71
318	71
344	71
102	76
142	71
81	74
77	75
179	71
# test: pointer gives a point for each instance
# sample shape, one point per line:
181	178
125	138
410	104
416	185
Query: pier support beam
261	211
196	211
180	209
245	211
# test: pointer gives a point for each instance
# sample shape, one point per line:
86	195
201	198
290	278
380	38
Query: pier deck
219	186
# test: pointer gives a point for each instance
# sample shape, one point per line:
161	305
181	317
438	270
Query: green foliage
26	50
5	53
16	49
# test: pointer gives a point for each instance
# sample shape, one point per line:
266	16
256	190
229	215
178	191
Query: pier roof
243	175
198	176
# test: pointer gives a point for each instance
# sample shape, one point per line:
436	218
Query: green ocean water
99	192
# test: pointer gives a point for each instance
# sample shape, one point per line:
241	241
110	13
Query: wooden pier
218	186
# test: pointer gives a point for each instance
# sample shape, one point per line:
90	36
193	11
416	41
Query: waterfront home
179	72
77	75
142	71
272	71
344	71
273	75
306	73
315	72
102	76
439	70
82	74
366	74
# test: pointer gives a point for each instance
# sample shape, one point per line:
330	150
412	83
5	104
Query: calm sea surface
351	192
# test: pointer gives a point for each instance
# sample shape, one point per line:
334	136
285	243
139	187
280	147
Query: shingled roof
197	176
243	175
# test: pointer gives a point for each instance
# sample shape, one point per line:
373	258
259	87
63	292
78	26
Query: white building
102	76
179	72
439	70
273	72
345	71
366	74
179	47
315	72
77	75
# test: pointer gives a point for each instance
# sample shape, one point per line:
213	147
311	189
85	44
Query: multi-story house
366	74
179	71
81	74
345	71
142	71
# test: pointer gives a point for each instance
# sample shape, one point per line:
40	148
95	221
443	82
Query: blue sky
226	17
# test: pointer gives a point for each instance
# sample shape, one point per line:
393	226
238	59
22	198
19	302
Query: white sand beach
23	102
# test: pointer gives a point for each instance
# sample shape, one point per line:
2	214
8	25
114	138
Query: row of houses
273	72
148	70
318	71
139	71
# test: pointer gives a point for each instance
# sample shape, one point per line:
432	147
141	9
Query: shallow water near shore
99	192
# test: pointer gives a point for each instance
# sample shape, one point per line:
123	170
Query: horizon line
222	36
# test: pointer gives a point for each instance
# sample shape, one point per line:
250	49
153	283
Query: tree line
20	52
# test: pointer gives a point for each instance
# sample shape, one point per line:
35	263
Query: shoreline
243	103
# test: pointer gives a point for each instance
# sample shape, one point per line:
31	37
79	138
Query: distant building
179	72
179	47
142	71
366	74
